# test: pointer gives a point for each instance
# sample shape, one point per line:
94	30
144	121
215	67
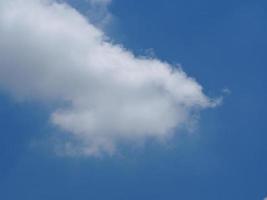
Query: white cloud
49	52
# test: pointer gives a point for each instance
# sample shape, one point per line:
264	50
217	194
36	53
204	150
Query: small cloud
226	91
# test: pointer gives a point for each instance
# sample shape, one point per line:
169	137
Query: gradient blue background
220	43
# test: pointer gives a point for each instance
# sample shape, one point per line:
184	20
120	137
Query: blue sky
222	44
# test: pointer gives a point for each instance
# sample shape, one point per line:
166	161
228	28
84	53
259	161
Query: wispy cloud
99	14
50	52
105	2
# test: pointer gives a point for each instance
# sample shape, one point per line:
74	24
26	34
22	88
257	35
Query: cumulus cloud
49	52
